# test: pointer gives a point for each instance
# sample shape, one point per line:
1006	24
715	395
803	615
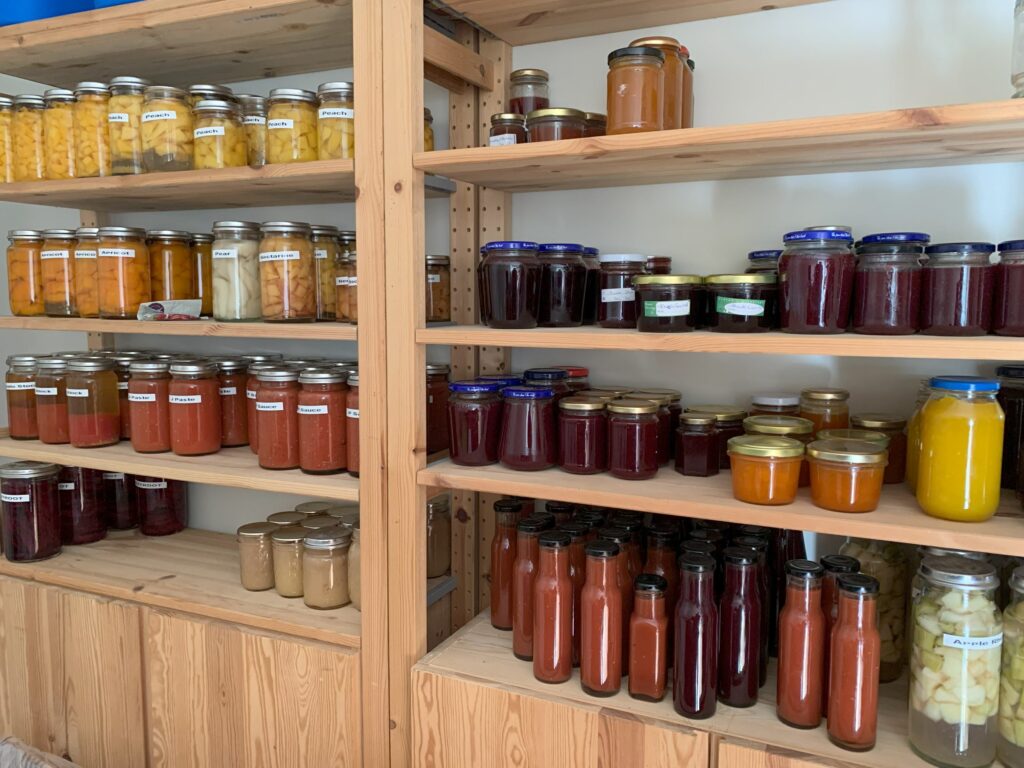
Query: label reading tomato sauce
312	410
141	397
15	498
269	406
77	392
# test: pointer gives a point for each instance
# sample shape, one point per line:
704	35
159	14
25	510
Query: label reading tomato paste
726	305
269	406
666	308
312	410
15	498
141	397
617	294
227	391
184	399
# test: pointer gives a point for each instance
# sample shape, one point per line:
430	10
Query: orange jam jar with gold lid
636	90
847	475
765	469
792	427
827	407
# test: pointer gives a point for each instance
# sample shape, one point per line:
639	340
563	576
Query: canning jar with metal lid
51	400
336	123
31	510
594	124
617	298
636	90
667	303
437	406
236	271
321	411
1011	719
325	567
887	283
58	272
345	280
122	363
672	92
696	445
846	475
20	385
202	258
528	91
86	288
956	289
784	426
439	289
827	407
729	420
162	505
148	407
439	536
747	303
291	126
167	140
507	129
254	119
123	273
124	125
474	412
94	415
775	404
765	468
231	378
27	133
816	273
894	428
354	563
763	261
6	140
172	268
352	424
197	94
325	257
59	133
194	407
286	543
218	136
583	435
256	556
509	284
555	124
287	272
277	419
632	439
24	272
92	137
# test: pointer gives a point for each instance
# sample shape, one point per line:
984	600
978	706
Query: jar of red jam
667	303
697	453
887	284
122	361
194	407
352	425
577	377
956	289
474	422
528	90
507	129
582	435
563	282
633	439
31	510
1008	310
22	416
119	501
746	303
234	418
593	289
437	406
321	409
162	504
52	400
816	272
555	124
659	265
252	386
148	406
729	421
528	440
555	379
82	512
763	261
594	124
666	435
94	416
509	282
277	418
617	298
775	404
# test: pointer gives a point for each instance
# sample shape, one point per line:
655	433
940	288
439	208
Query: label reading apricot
85	254
280	256
210	130
725	305
163	114
62	254
312	410
118	253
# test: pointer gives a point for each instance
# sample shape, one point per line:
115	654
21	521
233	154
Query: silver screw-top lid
138	232
91	86
337	88
322	376
90	364
193	367
25	469
24	234
277	373
292	94
960	572
169	234
257	530
286	227
329	538
148	366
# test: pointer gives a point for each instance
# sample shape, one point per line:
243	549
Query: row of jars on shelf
293	414
244	271
46	506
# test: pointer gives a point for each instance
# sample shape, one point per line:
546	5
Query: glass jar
792	427
528	90
57	272
86	285
325	256
355	589
961	443
80	494
763	261
636	90
728	421
632	439
887	283
563	277
22	409
528	440
218	136
673	69
51	401
287	273
816	272
439	289
352	425
696	440
528	532
695	670
59	133
236	271
292	126
765	468
290	518
827	407
746	303
439	536
202	258
437	406
123	274
665	421
1007	312
124	125
428	131
582	435
474	412
254	120
345	279
509	282
93	402
120	501
92	137
167	138
207	92
162	504
286	544
193	396
854	663
31	510
687	98
172	269
27	131
956	289
617	307
555	124
6	140
894	428
1011	399
321	410
775	404
325	568
593	288
503	555
507	129
666	303
801	646
336	123
601	625
1017	61
256	556
277	418
24	272
739	629
594	124
148	406
1011	720
846	475
833	565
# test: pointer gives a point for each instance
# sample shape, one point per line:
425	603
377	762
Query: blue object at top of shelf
17	11
108	3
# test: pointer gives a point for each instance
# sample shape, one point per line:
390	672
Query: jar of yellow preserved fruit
92	138
87	290
219	137
59	133
6	148
24	272
254	118
166	129
291	126
124	125
122	262
58	272
345	276
428	131
204	92
172	271
336	124
27	130
202	258
287	274
325	255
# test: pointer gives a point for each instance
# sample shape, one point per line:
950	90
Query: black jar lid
576	529
533	524
840	564
710	535
751	542
545	374
637	50
804	569
696	562
740	556
508	505
602	548
618	535
755	530
858	584
960	248
664	537
650	582
559	507
1010	371
695	547
555	539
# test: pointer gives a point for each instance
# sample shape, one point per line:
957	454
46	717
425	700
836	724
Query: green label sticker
726	305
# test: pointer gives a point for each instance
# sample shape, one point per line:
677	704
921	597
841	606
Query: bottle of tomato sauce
856	658
801	646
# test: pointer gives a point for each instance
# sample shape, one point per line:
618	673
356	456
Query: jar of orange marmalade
636	85
846	475
765	470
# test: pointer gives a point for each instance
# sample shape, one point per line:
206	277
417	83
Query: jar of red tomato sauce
122	367
148	406
51	400
352	424
321	410
234	420
21	397
194	406
252	387
277	418
94	415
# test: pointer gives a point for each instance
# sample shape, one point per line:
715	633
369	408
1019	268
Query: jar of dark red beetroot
887	284
277	403
193	397
956	289
94	417
555	124
163	505
763	261
322	429
697	453
595	124
665	429
593	288
617	299
633	439
582	435
563	281
51	400
119	501
746	303
507	128
816	275
21	397
82	512
509	280
1008	310
528	439
667	303
474	422
31	510
437	406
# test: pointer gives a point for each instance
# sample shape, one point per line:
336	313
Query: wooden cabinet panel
219	695
733	753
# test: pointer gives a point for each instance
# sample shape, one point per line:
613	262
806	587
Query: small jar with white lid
775	404
325	567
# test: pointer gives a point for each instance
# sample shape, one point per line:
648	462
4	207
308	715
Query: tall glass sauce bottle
695	670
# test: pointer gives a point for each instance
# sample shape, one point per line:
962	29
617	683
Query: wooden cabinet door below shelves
734	753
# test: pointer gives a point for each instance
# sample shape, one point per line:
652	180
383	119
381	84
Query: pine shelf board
772	343
904	138
897	518
480	656
208	328
230	467
193	571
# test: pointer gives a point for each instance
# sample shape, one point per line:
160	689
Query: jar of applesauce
346	306
87	292
218	136
24	272
287	274
124	125
59	133
254	119
172	270
122	265
6	147
27	131
291	126
256	556
325	257
202	258
58	272
236	270
636	84
92	139
336	124
287	547
325	567
166	129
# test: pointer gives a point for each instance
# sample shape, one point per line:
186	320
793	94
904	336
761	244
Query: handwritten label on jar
280	256
15	386
269	406
972	643
666	308
433	279
113	475
54	254
151	485
320	253
228	391
141	397
210	130
225	253
117	117
352	413
77	392
65	486
254	120
118	253
336	113
280	123
46	391
85	254
163	114
505	140
184	399
617	294
250	394
312	410
725	305
15	498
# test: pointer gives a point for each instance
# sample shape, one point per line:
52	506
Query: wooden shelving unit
206	328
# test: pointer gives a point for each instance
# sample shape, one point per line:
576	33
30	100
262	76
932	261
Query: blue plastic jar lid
896	237
807	235
1012	245
964	384
545	374
510	245
755	255
590	251
474	386
506	380
560	248
527	393
960	248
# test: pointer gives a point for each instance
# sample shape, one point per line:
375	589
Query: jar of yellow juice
961	439
59	133
92	137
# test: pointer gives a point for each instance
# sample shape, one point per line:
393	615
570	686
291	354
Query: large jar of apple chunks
1011	704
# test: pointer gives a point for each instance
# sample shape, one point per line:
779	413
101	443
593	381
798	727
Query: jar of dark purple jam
956	289
474	422
593	289
1008	309
509	281
633	439
667	303
82	513
763	261
746	303
728	421
563	285
697	445
528	439
816	274
582	436
119	499
616	306
663	400
31	510
555	379
162	504
887	283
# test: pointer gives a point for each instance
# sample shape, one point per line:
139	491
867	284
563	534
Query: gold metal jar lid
720	412
580	403
763	278
540	114
697	418
848	451
867	435
667	280
612	389
878	421
313	507
778	425
508	117
599	394
521	74
675	394
256	530
766	446
826	393
632	406
661	398
595	117
286	518
658	41
289	534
